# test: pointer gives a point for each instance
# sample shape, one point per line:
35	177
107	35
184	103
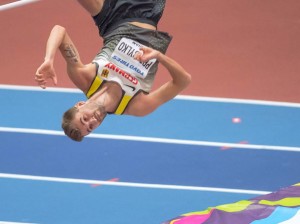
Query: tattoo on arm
70	52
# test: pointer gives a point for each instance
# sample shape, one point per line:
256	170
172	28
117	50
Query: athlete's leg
92	6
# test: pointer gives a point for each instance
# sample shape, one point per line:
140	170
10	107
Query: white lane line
159	140
5	222
238	101
179	97
35	88
16	4
127	184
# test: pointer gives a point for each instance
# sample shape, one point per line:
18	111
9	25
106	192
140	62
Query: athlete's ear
79	104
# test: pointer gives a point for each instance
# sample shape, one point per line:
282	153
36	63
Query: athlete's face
89	116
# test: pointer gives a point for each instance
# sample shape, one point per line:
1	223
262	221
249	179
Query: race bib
123	56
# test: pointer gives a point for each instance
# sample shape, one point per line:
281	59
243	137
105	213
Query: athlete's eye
84	118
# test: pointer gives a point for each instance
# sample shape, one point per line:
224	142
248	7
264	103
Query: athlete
120	77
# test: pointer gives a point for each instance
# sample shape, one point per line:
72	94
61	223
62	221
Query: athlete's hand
146	54
44	72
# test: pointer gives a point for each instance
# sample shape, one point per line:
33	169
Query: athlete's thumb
54	78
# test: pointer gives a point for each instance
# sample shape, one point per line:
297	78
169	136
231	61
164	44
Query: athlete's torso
116	63
109	72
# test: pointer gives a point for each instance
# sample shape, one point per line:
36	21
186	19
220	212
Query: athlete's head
82	119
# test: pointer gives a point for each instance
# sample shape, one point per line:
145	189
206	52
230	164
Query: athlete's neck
108	96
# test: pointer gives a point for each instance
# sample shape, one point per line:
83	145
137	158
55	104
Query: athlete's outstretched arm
180	79
46	70
59	39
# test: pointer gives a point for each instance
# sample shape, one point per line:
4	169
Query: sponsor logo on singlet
105	73
121	72
132	87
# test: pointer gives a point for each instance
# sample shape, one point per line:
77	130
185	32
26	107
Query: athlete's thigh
92	6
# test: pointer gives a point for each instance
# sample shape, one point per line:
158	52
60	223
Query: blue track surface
145	162
178	119
61	203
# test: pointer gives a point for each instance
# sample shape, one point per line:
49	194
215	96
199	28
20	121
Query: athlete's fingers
43	85
37	78
39	71
143	48
37	74
41	82
138	55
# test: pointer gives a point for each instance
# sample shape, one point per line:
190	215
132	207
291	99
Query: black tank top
116	12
